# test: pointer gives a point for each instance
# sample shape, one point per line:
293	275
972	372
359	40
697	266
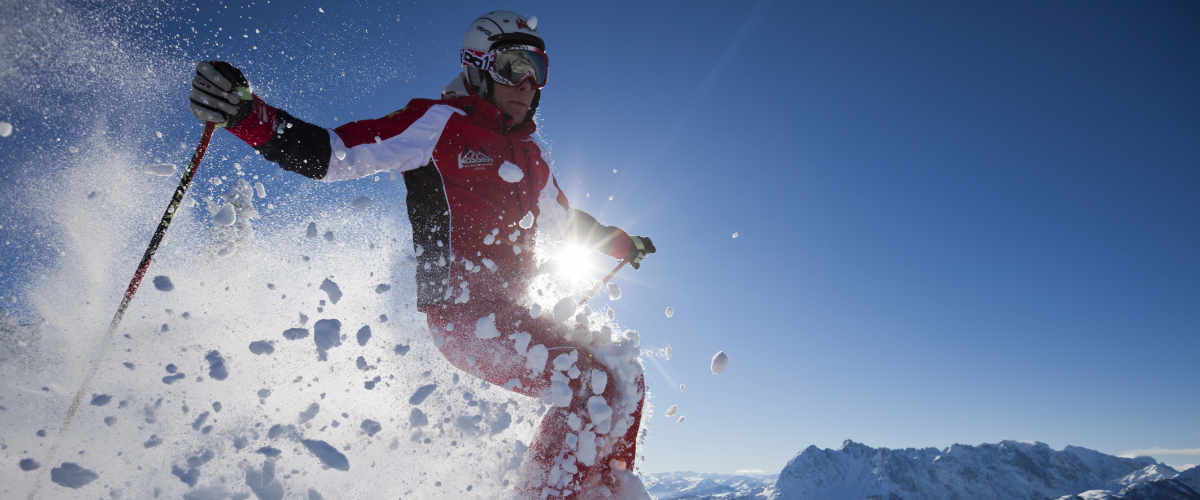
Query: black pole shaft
162	225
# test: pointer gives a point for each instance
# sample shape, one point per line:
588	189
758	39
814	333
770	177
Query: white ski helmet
494	30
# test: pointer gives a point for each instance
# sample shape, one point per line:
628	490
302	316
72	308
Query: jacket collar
487	115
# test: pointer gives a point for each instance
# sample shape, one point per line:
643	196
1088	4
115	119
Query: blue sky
957	223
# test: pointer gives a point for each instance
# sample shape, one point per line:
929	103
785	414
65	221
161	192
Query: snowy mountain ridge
695	485
1004	470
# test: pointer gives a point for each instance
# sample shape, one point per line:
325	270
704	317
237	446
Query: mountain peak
1008	469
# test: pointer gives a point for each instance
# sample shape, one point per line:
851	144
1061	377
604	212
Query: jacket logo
472	159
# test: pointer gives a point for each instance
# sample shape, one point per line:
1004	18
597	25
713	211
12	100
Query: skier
474	178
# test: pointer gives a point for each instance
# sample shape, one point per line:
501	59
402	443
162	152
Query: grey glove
639	248
220	94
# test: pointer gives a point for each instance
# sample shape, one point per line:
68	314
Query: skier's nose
526	85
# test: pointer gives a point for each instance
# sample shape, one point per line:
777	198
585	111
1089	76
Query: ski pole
162	225
169	214
602	283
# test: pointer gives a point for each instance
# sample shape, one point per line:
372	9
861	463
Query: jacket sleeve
584	229
401	141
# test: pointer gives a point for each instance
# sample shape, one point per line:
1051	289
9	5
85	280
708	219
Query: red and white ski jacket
477	194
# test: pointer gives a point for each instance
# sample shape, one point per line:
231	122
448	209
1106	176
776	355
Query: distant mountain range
1002	471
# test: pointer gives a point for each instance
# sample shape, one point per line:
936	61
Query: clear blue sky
958	223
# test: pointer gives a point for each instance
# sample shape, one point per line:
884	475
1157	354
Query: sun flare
573	262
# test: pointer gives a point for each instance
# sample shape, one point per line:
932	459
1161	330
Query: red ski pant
506	360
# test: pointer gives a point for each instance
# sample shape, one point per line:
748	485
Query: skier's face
514	101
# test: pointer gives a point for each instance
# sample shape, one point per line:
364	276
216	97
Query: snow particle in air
328	455
199	422
327	335
735	235
262	347
100	399
295	333
216	365
276	431
152	442
671	411
268	451
719	360
526	222
422	392
160	169
263	483
510	172
363	335
310	412
670	312
564	309
6	129
417	418
331	289
614	291
371	427
189	476
485	328
328	235
72	475
226	216
163	283
28	464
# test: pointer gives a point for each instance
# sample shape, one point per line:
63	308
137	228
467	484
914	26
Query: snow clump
564	309
510	172
226	216
719	360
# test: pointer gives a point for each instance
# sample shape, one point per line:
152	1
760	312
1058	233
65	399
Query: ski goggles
511	65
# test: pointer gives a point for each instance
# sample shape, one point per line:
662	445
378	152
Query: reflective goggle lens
511	66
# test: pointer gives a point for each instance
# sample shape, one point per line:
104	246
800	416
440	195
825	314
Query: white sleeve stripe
406	151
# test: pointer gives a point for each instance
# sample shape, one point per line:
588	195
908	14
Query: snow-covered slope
1005	470
694	485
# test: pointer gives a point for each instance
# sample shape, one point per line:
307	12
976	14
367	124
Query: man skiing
478	192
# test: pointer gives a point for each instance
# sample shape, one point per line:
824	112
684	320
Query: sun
573	262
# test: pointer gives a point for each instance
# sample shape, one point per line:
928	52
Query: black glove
639	248
220	94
